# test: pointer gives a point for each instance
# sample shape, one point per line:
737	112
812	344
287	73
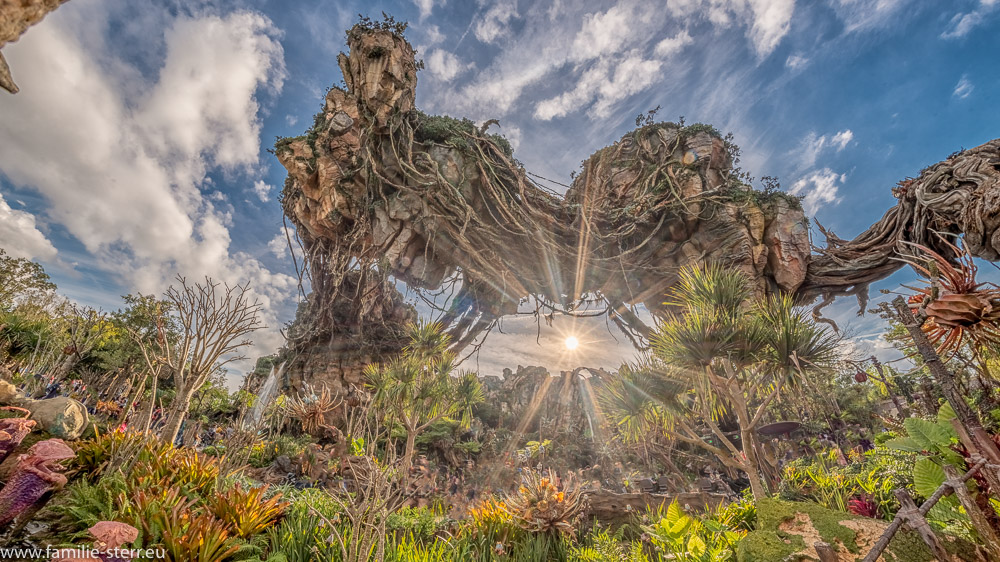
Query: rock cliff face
378	189
531	397
16	16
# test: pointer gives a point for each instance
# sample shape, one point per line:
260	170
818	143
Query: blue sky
137	146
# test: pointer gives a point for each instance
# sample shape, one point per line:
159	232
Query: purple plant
109	537
35	473
13	431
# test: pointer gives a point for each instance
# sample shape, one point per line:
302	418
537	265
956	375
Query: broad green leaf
674	512
696	546
929	433
927	477
904	444
946	414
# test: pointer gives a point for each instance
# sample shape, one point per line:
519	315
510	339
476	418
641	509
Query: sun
572	343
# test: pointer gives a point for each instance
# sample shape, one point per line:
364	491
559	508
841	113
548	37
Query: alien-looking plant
36	472
539	507
13	431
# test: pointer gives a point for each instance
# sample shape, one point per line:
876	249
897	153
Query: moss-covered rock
788	530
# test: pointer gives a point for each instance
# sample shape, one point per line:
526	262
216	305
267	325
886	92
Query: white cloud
278	245
963	89
568	44
20	237
426	6
796	62
291	120
771	21
433	34
962	23
125	169
445	65
262	190
812	146
818	188
604	33
673	45
842	139
493	24
859	15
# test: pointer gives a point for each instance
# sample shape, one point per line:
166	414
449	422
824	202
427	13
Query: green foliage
872	477
21	278
86	504
368	25
603	547
263	454
688	539
246	511
418	387
931	437
457	133
418	523
304	534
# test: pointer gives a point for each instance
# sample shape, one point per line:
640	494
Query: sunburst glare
572	343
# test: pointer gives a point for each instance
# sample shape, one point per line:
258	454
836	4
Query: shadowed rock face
16	16
376	188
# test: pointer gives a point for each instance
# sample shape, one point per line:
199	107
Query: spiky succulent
540	507
957	307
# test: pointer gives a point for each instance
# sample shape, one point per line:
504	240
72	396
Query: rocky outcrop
378	189
330	342
16	16
60	416
619	509
530	396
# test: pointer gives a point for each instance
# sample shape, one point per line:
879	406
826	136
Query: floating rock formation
378	189
16	16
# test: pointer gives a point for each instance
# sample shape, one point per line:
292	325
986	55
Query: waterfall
266	395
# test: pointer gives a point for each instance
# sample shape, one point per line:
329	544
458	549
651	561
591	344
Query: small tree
722	355
19	278
418	388
214	320
84	328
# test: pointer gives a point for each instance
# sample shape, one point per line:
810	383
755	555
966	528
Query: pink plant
863	506
35	473
13	431
109	537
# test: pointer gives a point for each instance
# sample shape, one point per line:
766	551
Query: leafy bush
245	511
687	539
418	523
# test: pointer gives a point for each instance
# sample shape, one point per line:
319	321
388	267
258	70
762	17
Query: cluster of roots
379	191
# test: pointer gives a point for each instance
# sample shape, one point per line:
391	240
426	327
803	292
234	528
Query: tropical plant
603	547
687	539
539	507
958	308
721	356
246	511
186	535
418	387
311	409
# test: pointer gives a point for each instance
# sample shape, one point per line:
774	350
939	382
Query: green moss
453	132
743	194
768	543
764	546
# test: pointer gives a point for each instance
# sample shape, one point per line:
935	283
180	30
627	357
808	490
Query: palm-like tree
422	385
722	353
